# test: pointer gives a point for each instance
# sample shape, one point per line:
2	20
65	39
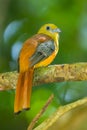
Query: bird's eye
47	28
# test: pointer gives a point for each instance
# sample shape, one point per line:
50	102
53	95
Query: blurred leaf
68	92
13	30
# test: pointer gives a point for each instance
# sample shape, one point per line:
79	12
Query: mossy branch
50	74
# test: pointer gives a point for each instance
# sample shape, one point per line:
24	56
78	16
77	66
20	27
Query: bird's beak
57	30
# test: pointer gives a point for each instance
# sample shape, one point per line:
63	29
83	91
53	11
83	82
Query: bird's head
50	30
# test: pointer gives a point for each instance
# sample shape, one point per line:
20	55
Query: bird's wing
34	50
43	51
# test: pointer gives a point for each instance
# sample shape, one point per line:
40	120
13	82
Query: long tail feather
27	89
19	93
23	91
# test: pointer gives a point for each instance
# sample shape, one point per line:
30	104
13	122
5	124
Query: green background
19	20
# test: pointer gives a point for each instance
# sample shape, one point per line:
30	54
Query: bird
37	51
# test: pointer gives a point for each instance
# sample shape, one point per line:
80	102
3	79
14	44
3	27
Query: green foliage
21	19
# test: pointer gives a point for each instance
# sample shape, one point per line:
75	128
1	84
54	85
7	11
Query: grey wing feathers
43	51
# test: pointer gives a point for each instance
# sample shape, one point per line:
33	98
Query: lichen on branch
50	74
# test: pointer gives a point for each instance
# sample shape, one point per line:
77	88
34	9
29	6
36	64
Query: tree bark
50	74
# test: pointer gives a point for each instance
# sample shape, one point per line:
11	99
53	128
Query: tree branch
45	125
36	118
50	74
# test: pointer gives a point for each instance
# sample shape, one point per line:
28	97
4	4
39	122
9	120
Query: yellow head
50	30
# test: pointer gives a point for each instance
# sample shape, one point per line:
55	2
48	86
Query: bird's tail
23	91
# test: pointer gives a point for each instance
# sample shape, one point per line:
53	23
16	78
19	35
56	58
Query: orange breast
50	58
46	61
